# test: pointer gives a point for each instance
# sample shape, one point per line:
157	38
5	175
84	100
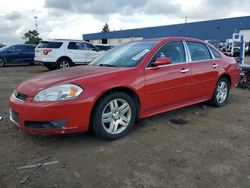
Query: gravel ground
198	146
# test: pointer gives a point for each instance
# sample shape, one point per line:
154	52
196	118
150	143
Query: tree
32	37
105	28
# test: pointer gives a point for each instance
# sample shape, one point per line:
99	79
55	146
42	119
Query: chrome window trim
213	54
147	65
213	58
187	52
210	52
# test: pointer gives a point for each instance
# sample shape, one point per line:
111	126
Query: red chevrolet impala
135	80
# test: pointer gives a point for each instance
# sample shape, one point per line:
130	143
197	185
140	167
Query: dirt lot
211	150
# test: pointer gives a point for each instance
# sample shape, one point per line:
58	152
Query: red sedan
135	80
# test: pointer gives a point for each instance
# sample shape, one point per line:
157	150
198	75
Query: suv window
89	46
198	51
74	46
46	44
173	50
12	49
29	48
215	53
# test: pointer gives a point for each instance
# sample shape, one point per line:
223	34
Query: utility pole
186	19
35	17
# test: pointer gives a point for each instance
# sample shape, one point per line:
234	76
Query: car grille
20	96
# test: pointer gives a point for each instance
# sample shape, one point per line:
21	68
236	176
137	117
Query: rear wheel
2	63
114	116
64	63
221	93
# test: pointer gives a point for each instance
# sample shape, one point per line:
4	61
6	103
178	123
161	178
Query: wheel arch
227	76
63	57
4	60
124	89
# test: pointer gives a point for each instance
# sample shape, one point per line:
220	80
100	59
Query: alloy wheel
116	116
222	92
64	64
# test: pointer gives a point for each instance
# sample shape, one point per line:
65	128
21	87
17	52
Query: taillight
46	51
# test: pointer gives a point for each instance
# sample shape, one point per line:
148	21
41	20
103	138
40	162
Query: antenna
35	17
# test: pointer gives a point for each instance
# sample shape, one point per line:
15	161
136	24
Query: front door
169	85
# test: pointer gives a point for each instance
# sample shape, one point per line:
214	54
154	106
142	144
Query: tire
2	63
64	63
114	116
221	93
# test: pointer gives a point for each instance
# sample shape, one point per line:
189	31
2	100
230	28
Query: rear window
50	44
215	53
198	51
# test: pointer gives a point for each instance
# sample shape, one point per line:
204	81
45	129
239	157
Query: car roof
65	40
33	45
166	39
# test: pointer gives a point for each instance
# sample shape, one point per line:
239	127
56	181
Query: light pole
35	17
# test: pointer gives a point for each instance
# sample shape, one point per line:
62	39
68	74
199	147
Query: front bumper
64	117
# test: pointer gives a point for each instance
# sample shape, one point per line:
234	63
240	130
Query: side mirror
7	51
162	61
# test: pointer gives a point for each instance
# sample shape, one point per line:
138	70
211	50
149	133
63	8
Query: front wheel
221	93
114	116
2	63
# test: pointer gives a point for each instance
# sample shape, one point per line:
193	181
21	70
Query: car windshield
4	48
126	55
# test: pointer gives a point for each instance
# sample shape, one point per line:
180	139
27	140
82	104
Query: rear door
204	70
76	51
169	85
28	53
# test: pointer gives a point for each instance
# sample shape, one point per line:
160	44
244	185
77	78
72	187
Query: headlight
59	93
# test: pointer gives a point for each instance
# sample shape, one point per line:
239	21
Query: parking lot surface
198	146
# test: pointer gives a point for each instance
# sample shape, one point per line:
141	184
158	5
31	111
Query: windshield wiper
106	65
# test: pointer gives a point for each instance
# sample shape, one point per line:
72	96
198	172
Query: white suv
60	54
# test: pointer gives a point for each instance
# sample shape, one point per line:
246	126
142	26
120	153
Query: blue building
220	29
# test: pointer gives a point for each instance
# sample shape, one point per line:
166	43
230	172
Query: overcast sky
72	18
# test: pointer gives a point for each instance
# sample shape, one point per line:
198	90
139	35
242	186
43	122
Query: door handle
184	70
215	65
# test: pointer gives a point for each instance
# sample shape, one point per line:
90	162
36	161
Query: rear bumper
45	63
50	118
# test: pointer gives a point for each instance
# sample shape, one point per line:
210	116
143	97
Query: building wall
116	40
221	29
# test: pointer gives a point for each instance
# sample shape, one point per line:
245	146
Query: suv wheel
114	116
64	63
2	63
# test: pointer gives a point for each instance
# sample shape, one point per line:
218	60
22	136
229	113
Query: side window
28	49
73	46
20	48
90	47
215	53
174	50
198	51
12	49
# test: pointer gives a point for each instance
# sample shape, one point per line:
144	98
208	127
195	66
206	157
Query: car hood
32	86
